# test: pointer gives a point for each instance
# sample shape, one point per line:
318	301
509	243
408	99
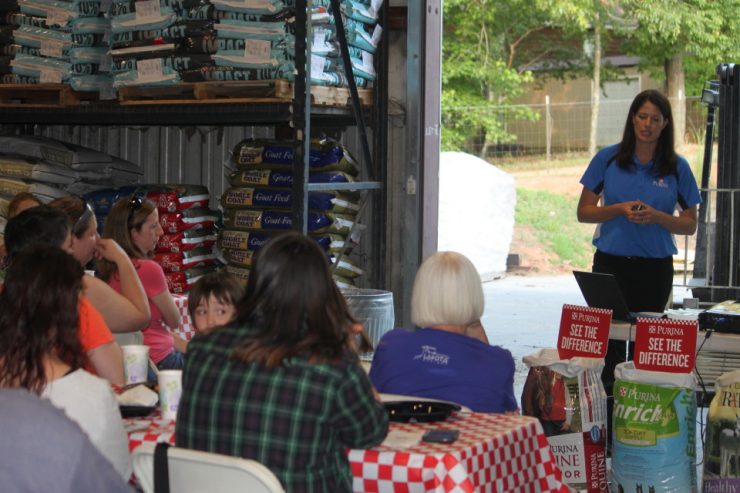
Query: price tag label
665	345
149	70
319	38
584	332
257	50
52	48
377	32
47	76
375	6
317	65
148	10
367	62
56	16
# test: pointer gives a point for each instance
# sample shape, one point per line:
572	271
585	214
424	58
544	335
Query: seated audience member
124	312
46	226
282	384
448	356
212	300
42	450
19	203
41	352
133	223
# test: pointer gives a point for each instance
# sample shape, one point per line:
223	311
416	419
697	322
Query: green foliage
553	218
484	66
704	32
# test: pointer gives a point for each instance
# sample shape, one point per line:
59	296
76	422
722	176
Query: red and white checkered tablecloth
494	453
151	429
186	330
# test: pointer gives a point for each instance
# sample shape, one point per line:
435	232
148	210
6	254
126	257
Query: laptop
602	291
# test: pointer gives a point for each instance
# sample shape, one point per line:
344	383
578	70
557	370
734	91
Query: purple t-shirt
442	365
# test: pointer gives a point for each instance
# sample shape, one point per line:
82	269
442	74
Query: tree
664	33
488	50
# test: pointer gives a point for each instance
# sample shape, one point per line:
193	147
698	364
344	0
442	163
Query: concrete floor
522	314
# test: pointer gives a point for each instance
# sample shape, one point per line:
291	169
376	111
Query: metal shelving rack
299	114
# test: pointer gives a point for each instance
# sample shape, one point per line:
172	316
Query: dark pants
646	284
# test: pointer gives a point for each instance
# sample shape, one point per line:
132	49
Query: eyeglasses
81	224
134	205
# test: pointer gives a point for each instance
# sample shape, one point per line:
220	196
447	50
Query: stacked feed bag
50	168
568	398
363	35
255	41
258	204
155	42
722	449
185	251
58	42
654	435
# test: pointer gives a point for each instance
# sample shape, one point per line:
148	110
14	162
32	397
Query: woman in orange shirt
44	225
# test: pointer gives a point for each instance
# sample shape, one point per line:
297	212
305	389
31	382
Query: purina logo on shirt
429	354
660	183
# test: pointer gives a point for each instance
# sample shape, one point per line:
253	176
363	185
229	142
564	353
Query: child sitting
212	300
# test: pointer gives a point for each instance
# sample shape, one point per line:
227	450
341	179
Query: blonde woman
447	356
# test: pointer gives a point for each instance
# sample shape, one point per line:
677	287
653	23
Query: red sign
665	345
584	332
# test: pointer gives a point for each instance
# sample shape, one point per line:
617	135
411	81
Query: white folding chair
193	471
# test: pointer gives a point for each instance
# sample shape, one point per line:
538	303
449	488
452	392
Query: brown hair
16	201
293	305
126	214
79	213
665	159
224	286
39	316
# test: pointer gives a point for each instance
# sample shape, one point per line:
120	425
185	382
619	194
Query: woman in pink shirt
133	222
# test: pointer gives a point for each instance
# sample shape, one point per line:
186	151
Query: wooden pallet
175	93
44	95
251	91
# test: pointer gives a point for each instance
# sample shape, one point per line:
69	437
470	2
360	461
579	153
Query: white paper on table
402	439
139	395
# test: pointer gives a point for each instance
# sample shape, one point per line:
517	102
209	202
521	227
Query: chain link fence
558	128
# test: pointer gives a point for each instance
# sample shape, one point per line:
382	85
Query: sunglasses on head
134	205
81	223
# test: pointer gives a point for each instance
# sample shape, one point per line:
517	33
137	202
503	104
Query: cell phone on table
439	435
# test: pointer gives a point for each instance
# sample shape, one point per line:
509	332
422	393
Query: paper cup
135	363
170	388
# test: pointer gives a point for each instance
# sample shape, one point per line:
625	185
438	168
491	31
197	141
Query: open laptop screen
602	291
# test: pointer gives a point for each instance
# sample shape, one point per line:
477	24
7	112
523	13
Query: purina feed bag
568	398
654	436
722	449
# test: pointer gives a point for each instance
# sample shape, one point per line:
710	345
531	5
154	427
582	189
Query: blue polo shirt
442	365
618	236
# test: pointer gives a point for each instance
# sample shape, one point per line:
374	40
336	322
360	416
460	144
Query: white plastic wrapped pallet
476	211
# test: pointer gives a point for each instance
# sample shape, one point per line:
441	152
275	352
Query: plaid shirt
297	419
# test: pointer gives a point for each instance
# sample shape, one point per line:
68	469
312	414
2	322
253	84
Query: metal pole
700	271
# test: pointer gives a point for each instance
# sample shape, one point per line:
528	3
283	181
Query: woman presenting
632	189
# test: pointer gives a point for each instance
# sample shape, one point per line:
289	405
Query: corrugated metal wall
200	155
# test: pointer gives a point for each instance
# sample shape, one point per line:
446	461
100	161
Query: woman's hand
682	224
108	249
